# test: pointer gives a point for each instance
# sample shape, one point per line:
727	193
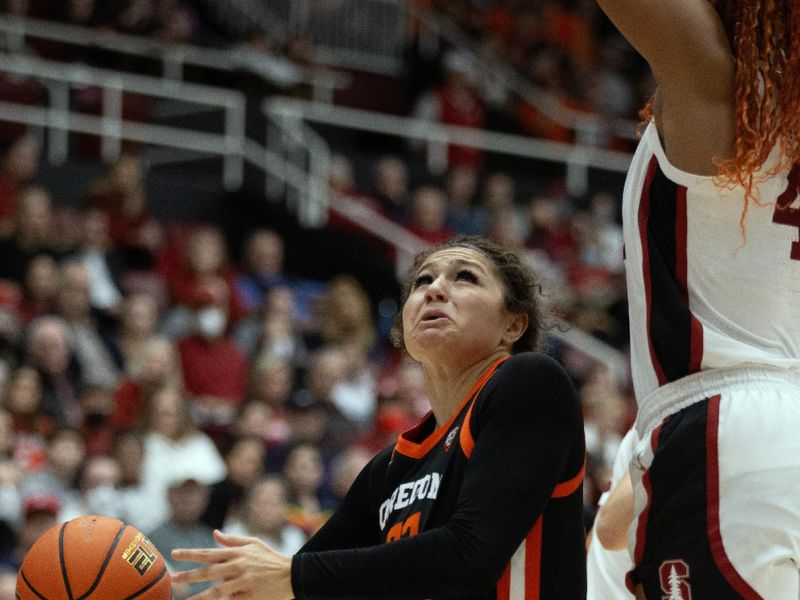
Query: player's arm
530	428
683	41
615	516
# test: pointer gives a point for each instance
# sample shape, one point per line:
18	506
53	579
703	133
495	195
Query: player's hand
244	568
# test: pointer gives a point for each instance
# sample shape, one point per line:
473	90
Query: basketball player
483	499
711	223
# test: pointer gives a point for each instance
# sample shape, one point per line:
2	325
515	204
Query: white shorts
717	489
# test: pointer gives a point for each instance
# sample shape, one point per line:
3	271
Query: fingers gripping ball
93	558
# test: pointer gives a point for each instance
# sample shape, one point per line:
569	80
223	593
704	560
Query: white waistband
675	396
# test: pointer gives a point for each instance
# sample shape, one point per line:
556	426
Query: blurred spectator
304	474
10	498
32	233
274	330
455	102
173	444
30	425
154	367
462	216
549	229
245	466
204	273
262	270
214	369
97	405
187	499
39	287
49	350
271	381
40	513
59	476
121	194
345	467
8	583
19	163
391	187
265	517
99	478
135	496
138	324
103	264
427	218
345	315
100	365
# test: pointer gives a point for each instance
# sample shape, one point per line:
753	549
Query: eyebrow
458	262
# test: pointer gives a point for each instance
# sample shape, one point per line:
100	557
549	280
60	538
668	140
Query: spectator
345	468
39	287
139	319
245	466
97	404
462	216
262	268
40	513
122	195
30	425
214	370
345	315
274	330
98	494
187	499
271	381
265	517
65	455
154	367
135	496
172	443
428	215
304	474
391	187
103	264
19	162
49	351
32	233
100	365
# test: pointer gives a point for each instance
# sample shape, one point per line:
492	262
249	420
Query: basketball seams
107	559
63	561
30	587
152	584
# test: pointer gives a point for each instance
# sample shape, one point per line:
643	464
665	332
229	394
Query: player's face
455	311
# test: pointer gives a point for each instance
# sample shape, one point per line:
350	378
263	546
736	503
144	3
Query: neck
447	385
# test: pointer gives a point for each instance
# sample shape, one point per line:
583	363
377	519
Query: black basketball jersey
487	506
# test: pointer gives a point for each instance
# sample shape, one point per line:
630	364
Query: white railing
173	57
299	144
58	118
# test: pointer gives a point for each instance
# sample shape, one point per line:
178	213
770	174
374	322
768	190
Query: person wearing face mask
214	369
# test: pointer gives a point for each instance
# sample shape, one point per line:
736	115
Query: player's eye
422	280
466	275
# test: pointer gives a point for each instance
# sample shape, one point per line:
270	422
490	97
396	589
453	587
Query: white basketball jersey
700	295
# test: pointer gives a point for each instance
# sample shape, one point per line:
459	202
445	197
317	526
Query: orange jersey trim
413	449
568	487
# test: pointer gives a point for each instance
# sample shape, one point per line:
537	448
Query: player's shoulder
532	365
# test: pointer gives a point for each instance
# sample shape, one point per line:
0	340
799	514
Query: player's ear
515	327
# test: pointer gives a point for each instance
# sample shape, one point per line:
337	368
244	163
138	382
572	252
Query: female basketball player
483	499
713	268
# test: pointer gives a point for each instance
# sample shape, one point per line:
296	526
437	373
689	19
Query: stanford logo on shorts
673	575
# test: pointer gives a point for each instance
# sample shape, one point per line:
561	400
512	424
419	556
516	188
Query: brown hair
522	289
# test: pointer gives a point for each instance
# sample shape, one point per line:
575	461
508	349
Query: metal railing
298	144
173	57
59	118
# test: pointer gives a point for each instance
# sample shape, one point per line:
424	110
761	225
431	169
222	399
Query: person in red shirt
214	369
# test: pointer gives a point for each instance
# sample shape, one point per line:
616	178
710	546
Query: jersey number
407	528
785	213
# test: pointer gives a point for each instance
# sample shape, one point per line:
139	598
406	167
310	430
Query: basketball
93	557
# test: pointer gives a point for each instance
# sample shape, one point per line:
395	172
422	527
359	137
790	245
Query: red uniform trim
724	564
641	525
533	562
681	276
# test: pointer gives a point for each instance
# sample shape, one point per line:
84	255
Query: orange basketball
93	558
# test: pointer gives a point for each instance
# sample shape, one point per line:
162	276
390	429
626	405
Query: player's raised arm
684	41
